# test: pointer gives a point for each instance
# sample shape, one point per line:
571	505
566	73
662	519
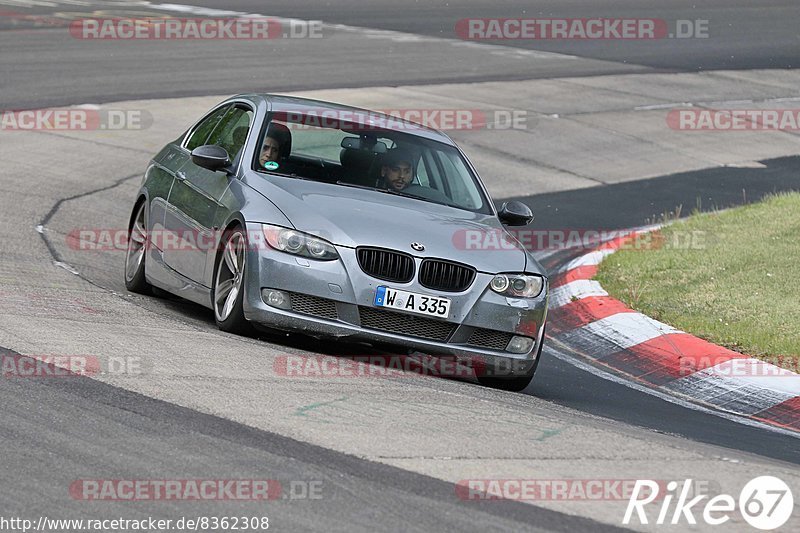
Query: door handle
180	176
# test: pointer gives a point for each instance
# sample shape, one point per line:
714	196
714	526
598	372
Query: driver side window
231	131
205	128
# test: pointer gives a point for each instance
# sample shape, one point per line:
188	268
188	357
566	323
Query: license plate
421	304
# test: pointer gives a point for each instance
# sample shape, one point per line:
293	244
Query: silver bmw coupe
332	221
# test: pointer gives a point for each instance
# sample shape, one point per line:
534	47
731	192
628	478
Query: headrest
356	159
396	156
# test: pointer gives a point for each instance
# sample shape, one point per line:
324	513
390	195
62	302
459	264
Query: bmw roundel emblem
417	246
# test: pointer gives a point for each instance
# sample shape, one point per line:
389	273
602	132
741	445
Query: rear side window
325	143
205	128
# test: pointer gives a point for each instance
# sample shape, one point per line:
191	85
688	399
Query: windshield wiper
376	189
398	193
357	186
423	198
401	193
292	176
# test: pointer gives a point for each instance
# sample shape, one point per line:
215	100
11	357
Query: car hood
351	217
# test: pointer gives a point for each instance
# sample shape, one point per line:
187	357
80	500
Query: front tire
228	294
138	244
514	383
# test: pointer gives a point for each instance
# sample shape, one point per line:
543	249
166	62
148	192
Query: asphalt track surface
742	35
37	55
131	435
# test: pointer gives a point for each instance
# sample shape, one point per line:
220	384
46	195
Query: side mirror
515	213
211	157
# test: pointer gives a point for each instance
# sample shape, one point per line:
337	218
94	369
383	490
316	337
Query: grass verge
730	277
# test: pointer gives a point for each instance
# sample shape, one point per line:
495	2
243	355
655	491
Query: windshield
386	159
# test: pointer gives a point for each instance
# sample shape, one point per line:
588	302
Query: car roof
295	104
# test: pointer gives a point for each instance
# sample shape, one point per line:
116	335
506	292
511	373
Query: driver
397	171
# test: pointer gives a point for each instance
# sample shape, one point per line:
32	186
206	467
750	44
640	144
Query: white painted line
627	329
719	103
195	10
667	397
746	164
575	290
655	107
69	268
372	33
590	259
759	373
732	394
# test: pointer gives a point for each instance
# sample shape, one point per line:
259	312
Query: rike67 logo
766	503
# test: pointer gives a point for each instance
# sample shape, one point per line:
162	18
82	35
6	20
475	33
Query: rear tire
228	294
138	244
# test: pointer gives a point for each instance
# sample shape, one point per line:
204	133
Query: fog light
520	344
277	299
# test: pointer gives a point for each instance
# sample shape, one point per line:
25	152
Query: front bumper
337	298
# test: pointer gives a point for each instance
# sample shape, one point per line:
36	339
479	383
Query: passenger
270	151
277	144
397	170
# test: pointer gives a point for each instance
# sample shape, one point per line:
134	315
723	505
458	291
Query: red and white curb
584	317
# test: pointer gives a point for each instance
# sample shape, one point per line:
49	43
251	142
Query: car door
159	179
195	202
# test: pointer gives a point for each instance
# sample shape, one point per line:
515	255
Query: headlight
297	243
518	285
